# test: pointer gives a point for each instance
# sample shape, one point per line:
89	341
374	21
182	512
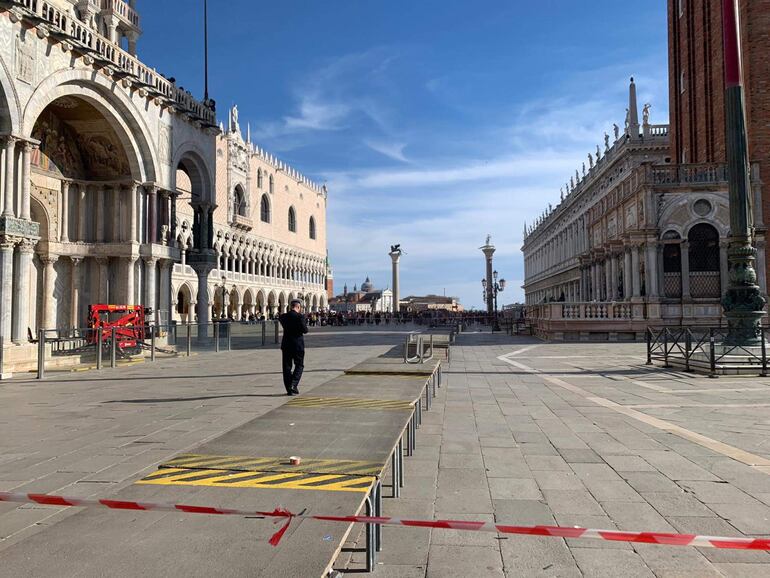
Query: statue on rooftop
584	169
616	128
571	184
598	150
590	161
628	120
646	113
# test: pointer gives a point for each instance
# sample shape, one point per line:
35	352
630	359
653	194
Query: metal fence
704	348
88	348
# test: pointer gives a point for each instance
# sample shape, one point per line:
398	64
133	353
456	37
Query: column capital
76	261
9	140
150	259
27	246
28	145
7	242
49	259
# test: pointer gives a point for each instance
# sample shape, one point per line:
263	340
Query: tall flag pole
743	302
206	49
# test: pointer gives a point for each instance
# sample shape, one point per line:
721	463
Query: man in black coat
293	346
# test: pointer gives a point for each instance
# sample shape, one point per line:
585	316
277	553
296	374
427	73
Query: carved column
101	193
150	286
134	234
608	278
75	291
152	214
627	283
165	302
26	249
130	277
26	179
104	280
651	271
10	163
117	209
614	277
636	274
7	245
49	286
64	237
81	195
685	270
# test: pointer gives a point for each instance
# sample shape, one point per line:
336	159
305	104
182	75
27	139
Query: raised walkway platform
346	431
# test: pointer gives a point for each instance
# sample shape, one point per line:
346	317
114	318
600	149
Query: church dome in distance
367	286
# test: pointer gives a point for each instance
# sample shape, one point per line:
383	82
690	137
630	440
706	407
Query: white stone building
269	235
116	186
635	242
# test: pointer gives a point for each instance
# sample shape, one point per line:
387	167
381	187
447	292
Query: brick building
696	78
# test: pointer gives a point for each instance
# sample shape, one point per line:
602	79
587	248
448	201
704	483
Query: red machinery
129	322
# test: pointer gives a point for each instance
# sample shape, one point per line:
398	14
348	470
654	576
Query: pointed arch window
259	178
271	184
264	209
312	228
239	202
292	220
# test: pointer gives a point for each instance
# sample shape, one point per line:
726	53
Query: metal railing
89	348
704	348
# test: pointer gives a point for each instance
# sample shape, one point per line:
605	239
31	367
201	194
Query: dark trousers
295	357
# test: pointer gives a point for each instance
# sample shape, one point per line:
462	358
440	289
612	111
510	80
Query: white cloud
392	150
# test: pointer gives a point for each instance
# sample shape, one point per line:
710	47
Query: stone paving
582	434
523	432
90	434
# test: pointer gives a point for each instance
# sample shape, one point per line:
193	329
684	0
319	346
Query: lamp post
490	294
743	303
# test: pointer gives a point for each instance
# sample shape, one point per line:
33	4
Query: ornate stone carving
165	143
25	61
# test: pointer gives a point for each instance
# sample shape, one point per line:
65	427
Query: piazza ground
522	432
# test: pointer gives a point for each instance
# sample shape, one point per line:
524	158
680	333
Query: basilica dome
367	286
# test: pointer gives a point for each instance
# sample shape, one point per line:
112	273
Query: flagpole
206	50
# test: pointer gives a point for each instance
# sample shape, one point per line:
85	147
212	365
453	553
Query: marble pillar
7	245
152	214
150	286
104	280
116	214
614	277
49	286
10	163
101	193
64	236
636	274
75	292
627	283
651	270
81	196
21	303
133	209
26	179
130	280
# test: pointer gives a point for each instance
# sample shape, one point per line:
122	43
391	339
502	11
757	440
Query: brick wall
697	112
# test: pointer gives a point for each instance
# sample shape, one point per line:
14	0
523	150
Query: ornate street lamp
743	302
490	296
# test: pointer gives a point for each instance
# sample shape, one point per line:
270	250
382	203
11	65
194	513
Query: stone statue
489	239
561	194
164	234
234	119
616	128
606	142
591	160
584	169
628	120
571	183
646	113
550	208
577	176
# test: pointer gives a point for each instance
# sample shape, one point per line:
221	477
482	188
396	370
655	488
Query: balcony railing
706	173
123	11
108	52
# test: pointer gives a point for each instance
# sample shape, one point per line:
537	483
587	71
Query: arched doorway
82	162
272	304
183	304
703	257
248	305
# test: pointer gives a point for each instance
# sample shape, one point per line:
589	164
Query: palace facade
118	186
636	241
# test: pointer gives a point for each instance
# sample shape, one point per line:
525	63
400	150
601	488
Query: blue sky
433	122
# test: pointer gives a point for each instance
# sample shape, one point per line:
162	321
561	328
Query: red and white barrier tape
553	531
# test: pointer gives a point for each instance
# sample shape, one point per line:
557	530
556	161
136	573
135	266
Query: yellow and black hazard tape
273	464
274	480
350	402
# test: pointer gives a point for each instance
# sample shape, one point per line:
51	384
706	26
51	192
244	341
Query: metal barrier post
41	354
189	340
113	350
649	346
264	333
370	535
276	331
378	513
764	354
229	329
99	345
687	346
152	344
216	337
712	354
401	463
665	348
394	473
